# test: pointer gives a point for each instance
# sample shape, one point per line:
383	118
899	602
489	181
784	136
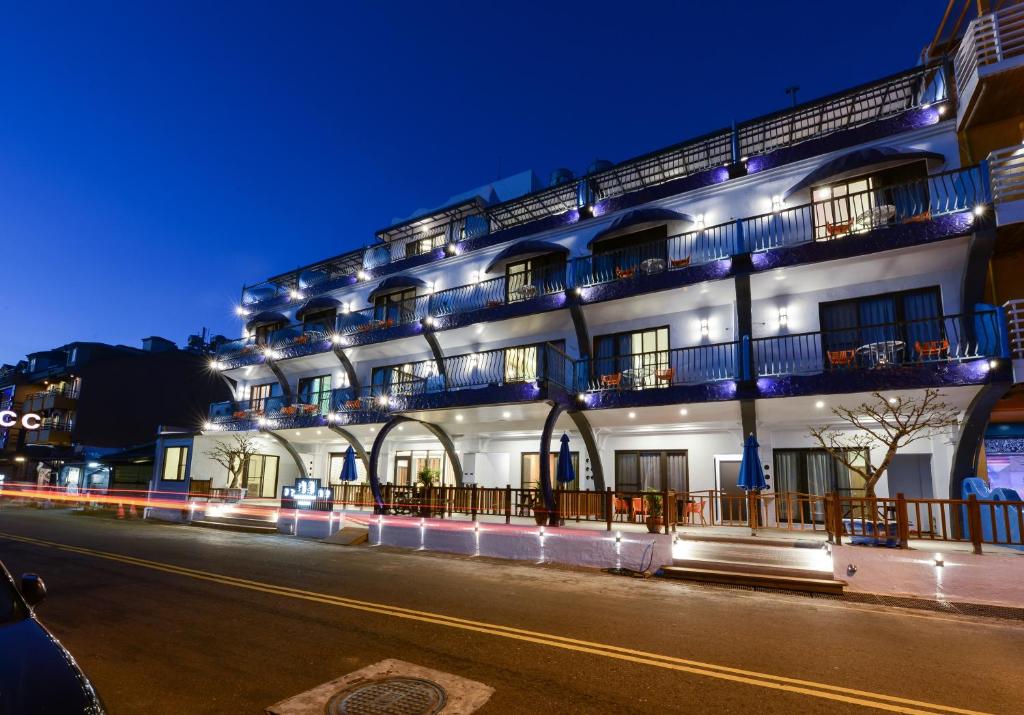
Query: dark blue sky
156	156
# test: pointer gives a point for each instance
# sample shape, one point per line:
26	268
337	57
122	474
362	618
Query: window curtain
820	480
677	480
650	470
924	317
605	359
627	473
624	353
839	323
877	316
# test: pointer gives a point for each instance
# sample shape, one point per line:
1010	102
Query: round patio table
875	217
653	265
882	353
527	291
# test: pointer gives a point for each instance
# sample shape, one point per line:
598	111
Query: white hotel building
655	311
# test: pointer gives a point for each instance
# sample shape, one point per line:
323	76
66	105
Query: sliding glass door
640	470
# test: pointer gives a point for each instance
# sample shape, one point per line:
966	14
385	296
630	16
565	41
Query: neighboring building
95	399
656	310
986	42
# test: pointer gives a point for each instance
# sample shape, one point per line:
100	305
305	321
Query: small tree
891	423
234	456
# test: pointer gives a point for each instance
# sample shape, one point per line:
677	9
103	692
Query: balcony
340	406
988	67
64	398
1007	169
52	432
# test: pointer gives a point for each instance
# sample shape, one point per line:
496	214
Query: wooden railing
199	488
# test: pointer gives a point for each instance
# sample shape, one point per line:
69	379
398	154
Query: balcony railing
377	318
989	40
859	213
499	291
1007	169
662	368
888	345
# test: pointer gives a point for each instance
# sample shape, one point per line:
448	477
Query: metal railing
1014	310
499	291
859	213
989	39
1006	167
375	318
664	368
941	339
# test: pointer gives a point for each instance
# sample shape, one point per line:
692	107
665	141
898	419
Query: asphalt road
173	619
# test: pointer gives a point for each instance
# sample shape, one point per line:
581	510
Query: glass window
320	321
409	464
261	476
521	364
640	470
175	462
530	474
335	461
316	391
258	395
639	359
419	246
398	307
815	472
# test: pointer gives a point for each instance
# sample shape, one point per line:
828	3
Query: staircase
250	524
753	561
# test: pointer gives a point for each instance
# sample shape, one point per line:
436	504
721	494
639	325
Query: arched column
378	449
435	350
590	441
346	365
545	463
351	439
579	323
975	273
282	379
290	449
972	434
232	386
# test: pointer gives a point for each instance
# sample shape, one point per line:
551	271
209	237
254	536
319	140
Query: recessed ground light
819	404
684	411
632	415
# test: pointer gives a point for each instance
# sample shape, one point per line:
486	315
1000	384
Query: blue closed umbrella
751	479
348	467
564	472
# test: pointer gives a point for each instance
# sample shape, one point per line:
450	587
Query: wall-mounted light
240	311
474	276
382	400
363	276
705	329
942	110
429	320
632	415
450	249
979	210
431	286
295	295
776	204
684	412
700	222
459	418
819	404
783	317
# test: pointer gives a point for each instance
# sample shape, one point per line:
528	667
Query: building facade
95	399
656	311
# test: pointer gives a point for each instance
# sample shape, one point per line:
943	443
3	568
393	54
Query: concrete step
753	568
248	526
759	555
746	540
790	583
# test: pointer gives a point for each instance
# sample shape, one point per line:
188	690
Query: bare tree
234	456
891	423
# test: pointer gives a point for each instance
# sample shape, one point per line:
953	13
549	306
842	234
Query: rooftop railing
989	40
1007	170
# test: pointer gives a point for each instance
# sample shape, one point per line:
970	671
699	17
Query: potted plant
654	511
310	409
426	478
288	410
539	508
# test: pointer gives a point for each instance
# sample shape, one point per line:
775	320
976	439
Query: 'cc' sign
29	420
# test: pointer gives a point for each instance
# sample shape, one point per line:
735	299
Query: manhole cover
389	696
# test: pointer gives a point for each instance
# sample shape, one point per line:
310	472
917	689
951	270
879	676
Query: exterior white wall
203	467
701	450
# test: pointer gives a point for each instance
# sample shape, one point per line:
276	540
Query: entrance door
403	470
261	476
911	476
732	506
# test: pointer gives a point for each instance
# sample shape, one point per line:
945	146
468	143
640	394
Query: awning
639	216
525	249
267	317
398	282
859	159
315	305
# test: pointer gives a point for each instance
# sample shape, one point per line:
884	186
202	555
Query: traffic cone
132	514
120	511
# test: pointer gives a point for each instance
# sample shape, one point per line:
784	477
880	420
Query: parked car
37	674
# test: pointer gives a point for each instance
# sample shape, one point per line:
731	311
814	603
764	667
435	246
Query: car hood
38	676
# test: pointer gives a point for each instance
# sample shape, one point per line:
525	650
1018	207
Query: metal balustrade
664	368
1007	171
374	318
989	40
859	213
888	345
499	291
1014	310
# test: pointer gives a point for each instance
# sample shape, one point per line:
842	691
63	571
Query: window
175	463
815	472
398	307
262	333
424	245
530	470
521	364
865	202
132	473
884	328
409	464
640	470
399	379
258	396
261	476
316	391
638	357
335	462
321	321
535	276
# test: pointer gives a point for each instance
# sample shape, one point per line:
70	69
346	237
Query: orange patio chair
931	349
680	262
842	358
922	217
694	509
621	507
665	375
624	272
613	380
839	228
639	508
